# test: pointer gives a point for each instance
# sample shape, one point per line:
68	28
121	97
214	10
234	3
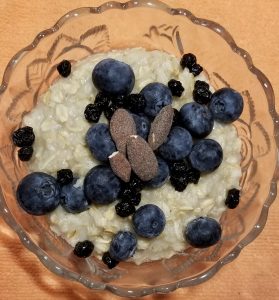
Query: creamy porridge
60	128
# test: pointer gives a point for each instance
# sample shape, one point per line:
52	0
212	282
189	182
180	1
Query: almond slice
122	126
142	159
120	166
160	127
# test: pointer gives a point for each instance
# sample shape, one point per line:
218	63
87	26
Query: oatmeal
60	129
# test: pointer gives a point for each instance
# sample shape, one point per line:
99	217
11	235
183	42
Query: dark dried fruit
200	83
136	103
109	261
92	113
119	101
188	60
176	87
84	249
176	121
192	175
25	153
135	199
110	110
232	199
102	100
64	68
196	69
202	95
65	176
23	136
179	183
178	168
124	208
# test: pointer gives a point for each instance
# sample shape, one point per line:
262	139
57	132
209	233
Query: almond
120	166
122	126
141	157
160	127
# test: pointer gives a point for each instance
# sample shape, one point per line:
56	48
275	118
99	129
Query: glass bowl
153	25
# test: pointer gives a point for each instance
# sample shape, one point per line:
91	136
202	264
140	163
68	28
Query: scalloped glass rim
258	227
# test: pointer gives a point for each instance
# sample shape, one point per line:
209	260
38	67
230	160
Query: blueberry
38	193
142	125
149	221
64	68
178	144
226	105
157	95
84	249
101	186
23	137
197	119
25	153
206	155
113	77
123	245
109	261
203	232
99	141
162	176
72	199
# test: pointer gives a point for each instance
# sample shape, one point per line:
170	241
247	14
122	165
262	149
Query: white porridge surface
60	127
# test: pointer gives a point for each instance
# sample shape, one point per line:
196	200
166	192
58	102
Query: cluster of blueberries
184	155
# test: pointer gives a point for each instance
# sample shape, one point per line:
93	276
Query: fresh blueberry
178	144
206	155
203	232
38	193
142	125
72	199
113	77
149	221
157	95
99	141
162	176
101	186
197	119
226	105
123	245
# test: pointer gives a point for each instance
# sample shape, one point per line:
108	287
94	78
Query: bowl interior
87	31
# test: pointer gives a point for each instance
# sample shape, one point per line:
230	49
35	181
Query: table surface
255	273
